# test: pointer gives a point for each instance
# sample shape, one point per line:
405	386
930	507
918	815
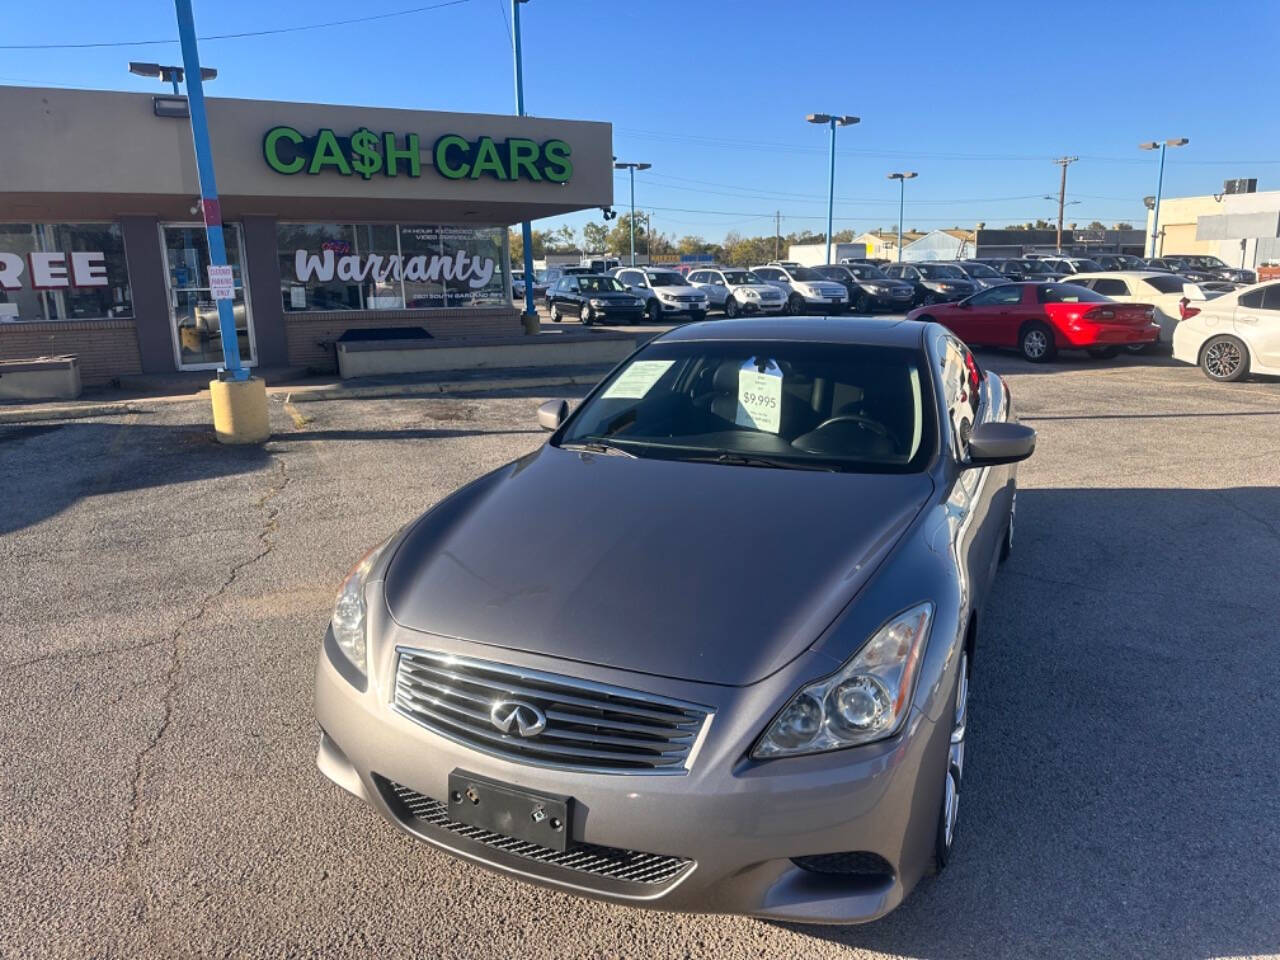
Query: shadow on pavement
411	433
1122	789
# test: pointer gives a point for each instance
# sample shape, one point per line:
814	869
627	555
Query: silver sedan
709	647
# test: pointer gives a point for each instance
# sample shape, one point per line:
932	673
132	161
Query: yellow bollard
240	410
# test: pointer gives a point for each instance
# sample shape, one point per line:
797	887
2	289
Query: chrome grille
613	863
589	726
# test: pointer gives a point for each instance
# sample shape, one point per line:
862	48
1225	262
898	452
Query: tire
555	313
1104	353
654	310
731	307
1035	343
1225	359
944	838
795	305
584	315
862	304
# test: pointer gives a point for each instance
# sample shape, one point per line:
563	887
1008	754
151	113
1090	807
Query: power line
505	22
235	36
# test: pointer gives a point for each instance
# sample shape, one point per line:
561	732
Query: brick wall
310	336
106	348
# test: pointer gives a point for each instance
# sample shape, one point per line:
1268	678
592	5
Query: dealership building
337	218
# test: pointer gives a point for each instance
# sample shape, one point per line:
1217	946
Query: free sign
54	271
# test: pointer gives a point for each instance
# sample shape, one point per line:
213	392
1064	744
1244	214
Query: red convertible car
1039	319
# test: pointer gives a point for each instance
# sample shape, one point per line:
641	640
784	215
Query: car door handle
1249	319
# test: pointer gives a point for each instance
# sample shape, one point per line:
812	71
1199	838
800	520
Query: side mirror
964	304
995	443
554	412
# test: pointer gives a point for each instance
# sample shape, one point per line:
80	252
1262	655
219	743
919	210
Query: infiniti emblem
527	719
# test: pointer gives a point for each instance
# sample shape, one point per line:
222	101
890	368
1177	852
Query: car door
1259	326
715	288
569	296
985	320
553	294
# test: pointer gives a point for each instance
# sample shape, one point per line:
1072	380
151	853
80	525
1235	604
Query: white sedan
1164	291
1234	335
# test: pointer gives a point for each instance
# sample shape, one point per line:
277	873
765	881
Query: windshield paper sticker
637	380
760	396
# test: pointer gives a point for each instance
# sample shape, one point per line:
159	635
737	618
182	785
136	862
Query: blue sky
978	98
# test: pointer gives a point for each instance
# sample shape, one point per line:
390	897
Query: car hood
611	295
763	288
703	572
679	291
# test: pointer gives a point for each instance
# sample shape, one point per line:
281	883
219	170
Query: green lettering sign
271	150
366	153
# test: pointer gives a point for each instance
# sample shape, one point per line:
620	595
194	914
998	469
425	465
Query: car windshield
1208	263
935	271
599	285
1034	266
1086	266
804	273
741	276
824	406
668	278
982	271
867	272
1130	262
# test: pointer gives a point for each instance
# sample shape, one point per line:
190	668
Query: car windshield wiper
752	460
598	446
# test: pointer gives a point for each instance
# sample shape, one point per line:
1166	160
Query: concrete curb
76	412
434	388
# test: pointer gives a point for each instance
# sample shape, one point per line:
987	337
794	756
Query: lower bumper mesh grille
612	863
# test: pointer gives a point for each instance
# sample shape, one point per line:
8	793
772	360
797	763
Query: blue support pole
526	229
1155	210
831	187
231	368
632	170
902	194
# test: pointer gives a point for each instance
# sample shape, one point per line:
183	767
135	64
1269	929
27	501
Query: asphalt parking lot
163	601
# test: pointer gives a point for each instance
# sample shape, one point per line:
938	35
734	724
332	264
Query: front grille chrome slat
610	863
589	727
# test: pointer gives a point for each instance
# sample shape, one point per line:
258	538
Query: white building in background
1243	229
941	245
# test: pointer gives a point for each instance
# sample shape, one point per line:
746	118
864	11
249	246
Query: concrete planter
44	378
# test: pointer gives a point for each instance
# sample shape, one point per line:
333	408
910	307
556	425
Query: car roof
1126	274
869	331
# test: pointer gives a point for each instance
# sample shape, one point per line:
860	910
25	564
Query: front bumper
623	314
737	823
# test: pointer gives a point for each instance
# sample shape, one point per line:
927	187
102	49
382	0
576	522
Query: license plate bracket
541	818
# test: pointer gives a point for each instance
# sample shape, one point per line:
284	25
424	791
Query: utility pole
777	234
1063	162
526	228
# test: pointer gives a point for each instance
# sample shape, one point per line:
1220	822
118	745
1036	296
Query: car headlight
349	611
667	297
598	303
751	294
866	700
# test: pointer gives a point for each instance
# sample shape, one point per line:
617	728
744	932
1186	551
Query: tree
595	237
1124	225
1096	225
619	239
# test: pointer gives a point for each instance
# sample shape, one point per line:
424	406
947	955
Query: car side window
571	284
1271	297
1251	300
1005	293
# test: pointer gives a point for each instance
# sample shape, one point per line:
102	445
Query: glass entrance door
197	341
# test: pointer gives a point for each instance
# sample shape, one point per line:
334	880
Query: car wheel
555	313
1006	545
1104	353
731	307
929	299
654	310
1036	342
944	841
862	304
584	314
795	305
1224	359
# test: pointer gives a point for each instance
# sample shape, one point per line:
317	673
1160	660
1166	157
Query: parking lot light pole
1155	210
633	167
832	121
526	228
902	179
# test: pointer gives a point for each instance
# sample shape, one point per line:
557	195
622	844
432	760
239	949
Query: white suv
806	290
736	291
666	293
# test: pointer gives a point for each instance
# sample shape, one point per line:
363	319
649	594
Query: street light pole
231	368
902	179
832	121
1155	210
1063	162
632	168
526	229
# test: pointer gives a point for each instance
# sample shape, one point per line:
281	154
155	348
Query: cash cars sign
367	154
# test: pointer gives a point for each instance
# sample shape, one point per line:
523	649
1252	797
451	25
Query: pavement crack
86	654
269	507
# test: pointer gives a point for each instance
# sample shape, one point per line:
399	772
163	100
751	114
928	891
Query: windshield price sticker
637	380
760	396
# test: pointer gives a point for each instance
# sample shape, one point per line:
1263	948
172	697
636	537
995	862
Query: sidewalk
109	402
